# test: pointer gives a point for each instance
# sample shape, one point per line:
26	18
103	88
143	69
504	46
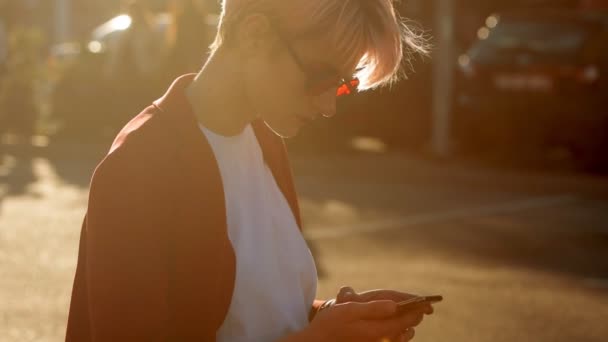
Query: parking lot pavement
518	256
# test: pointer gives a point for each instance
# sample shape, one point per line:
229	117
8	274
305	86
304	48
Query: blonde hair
369	33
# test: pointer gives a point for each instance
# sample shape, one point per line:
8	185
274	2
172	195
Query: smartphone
416	302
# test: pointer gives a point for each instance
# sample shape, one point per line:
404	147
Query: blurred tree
135	61
189	37
3	45
82	102
18	107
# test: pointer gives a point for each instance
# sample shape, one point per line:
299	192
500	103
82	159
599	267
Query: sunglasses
318	82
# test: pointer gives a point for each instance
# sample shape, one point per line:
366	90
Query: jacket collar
175	103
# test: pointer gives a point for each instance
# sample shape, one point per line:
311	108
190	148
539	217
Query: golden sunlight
368	144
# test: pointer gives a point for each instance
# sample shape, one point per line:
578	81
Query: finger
380	330
411	320
396	325
375	310
425	308
386	294
346	294
404	336
408	335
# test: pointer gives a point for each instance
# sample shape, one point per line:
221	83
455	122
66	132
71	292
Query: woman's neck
218	97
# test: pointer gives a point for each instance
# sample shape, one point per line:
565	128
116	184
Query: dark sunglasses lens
346	88
343	90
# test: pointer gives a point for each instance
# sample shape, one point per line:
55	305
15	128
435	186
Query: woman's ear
254	35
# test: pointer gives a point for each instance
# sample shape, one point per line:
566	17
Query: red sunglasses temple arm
347	87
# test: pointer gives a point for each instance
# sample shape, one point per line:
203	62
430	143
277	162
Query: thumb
346	294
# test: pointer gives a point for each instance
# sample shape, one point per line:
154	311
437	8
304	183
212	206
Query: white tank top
276	278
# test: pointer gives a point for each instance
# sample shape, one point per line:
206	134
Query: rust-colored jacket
155	262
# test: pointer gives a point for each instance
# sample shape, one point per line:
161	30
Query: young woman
192	231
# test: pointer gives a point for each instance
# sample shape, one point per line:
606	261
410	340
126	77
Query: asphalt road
518	256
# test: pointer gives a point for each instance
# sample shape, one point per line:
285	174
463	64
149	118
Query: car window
537	41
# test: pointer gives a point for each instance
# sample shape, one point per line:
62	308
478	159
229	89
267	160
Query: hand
347	294
372	321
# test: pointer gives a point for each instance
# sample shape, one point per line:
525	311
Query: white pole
62	20
442	77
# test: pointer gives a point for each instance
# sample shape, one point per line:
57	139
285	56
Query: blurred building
87	14
403	116
594	4
3	44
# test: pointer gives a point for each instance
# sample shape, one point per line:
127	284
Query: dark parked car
536	80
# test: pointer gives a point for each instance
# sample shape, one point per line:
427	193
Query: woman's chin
287	130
